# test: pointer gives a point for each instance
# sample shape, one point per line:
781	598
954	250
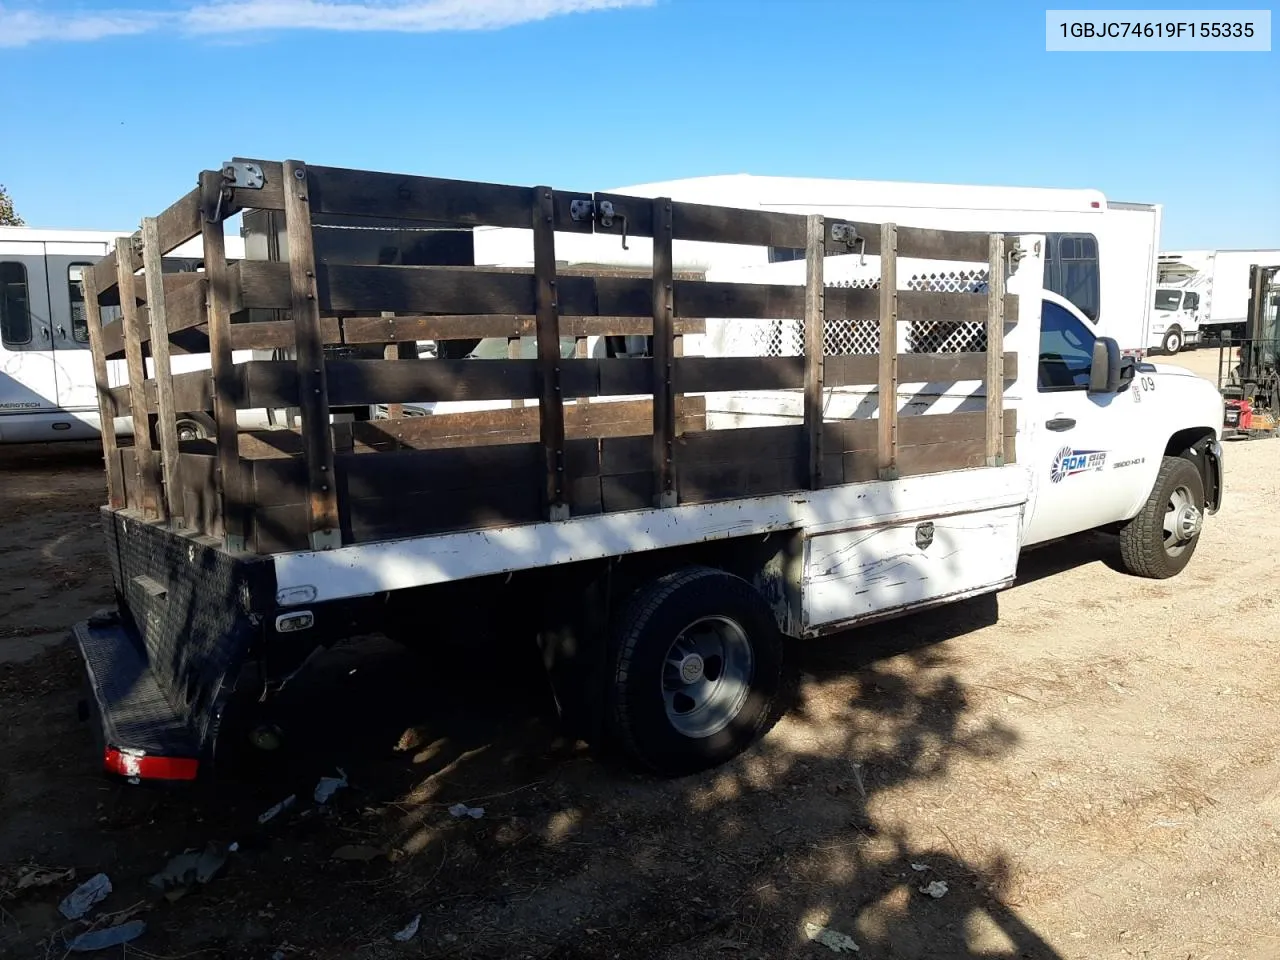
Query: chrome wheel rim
706	676
189	430
1182	521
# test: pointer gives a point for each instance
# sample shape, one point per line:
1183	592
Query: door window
75	296
15	307
1066	350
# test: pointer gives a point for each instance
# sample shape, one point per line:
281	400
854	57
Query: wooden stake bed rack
328	484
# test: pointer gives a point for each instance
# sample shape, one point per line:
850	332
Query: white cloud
20	27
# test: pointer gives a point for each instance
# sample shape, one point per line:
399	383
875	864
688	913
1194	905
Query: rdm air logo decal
1069	462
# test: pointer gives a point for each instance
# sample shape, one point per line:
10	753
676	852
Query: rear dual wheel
696	671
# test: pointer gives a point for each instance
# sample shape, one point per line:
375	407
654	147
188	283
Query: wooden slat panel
663	463
232	483
863	369
814	346
914	306
107	404
144	455
313	392
887	380
712	374
167	424
366	193
704	483
995	374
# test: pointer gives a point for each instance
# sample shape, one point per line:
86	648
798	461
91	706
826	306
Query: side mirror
1104	374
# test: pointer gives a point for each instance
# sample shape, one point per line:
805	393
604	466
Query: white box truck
1203	295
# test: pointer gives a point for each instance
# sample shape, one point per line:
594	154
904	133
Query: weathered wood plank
853	436
863	369
144	456
275	334
198	486
814	345
917	459
337	190
173	282
582	421
185	310
107	404
702	222
663	464
887	410
713	374
401	328
231	484
995	374
271	194
179	223
550	396
106	277
313	393
167	423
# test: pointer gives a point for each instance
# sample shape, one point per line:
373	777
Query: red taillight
147	767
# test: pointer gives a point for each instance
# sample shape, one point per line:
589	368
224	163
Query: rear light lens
149	767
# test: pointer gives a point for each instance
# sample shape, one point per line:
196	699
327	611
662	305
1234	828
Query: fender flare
1212	451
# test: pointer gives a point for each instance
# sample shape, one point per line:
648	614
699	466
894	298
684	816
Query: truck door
1079	442
27	382
73	363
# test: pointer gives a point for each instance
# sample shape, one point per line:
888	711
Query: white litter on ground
279	808
83	898
937	889
409	932
328	786
833	940
462	810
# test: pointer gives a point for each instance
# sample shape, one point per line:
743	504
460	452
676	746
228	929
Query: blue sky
110	109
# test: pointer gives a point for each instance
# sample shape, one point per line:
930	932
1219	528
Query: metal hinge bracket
243	175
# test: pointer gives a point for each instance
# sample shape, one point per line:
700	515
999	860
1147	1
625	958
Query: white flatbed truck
658	550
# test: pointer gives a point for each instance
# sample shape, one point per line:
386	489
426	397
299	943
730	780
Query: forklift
1248	376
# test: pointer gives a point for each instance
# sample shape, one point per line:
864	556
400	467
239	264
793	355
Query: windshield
1167	299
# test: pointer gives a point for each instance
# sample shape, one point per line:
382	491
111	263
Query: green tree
8	216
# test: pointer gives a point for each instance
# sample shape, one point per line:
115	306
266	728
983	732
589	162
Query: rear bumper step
142	735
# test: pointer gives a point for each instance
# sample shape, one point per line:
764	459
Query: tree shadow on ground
575	857
820	826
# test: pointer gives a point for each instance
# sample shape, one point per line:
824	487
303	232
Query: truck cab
1175	321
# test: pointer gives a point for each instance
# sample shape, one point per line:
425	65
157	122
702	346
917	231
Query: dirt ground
1090	763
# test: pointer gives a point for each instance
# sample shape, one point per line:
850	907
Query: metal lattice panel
785	338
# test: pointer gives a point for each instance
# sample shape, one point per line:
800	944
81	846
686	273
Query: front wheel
696	671
1172	341
1160	540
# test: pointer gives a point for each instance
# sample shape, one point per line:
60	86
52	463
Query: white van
47	388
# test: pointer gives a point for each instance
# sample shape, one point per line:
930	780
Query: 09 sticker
1070	461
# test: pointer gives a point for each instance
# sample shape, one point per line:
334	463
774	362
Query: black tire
200	426
636	703
1146	548
1173	340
